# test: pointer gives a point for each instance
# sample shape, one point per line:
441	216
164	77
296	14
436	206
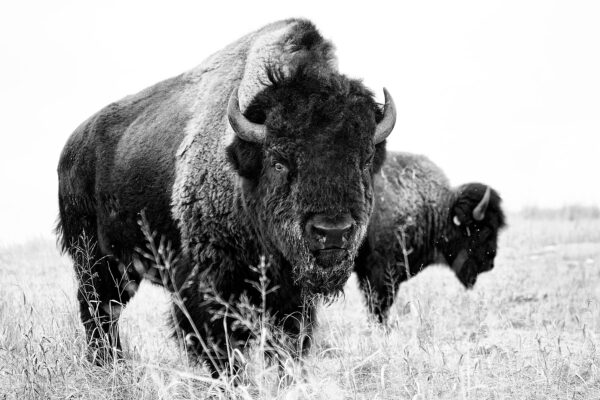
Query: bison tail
60	236
76	221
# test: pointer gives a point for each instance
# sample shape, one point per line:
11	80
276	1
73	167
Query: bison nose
324	232
489	266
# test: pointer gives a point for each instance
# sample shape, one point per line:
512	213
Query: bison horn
385	126
243	128
479	211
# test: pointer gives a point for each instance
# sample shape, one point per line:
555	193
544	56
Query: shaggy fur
415	207
219	201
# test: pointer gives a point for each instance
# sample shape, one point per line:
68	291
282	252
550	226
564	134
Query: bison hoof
103	356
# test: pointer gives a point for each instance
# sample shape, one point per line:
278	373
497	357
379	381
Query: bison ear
379	157
245	157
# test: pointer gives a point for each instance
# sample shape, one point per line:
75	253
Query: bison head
476	217
306	149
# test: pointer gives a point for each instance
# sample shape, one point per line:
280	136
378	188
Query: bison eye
279	167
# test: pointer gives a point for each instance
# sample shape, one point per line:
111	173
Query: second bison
420	220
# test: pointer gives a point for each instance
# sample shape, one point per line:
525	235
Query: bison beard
323	273
230	161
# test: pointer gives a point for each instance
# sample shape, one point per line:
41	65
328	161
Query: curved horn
385	126
243	128
479	211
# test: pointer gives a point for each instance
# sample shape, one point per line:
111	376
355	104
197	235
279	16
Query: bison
263	150
420	220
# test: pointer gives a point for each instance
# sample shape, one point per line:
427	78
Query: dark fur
228	206
415	204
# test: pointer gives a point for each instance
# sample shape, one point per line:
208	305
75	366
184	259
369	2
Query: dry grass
529	330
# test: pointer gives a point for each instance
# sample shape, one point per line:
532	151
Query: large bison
265	149
420	220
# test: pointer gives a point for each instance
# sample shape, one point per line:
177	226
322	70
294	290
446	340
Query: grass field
529	330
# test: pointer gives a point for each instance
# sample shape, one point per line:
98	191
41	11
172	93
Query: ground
528	330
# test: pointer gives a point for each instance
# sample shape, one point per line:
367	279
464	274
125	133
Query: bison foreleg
379	283
291	339
209	334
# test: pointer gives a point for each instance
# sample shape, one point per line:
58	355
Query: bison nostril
319	233
332	236
325	232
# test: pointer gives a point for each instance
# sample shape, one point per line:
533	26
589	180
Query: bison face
306	170
476	220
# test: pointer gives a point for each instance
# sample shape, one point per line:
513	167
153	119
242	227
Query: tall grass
528	330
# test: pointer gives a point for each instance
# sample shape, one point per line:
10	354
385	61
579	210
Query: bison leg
294	342
379	283
297	331
210	336
105	286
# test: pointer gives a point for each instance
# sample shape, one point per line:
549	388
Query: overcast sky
503	92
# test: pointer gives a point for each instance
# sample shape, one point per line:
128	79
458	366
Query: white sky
503	92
